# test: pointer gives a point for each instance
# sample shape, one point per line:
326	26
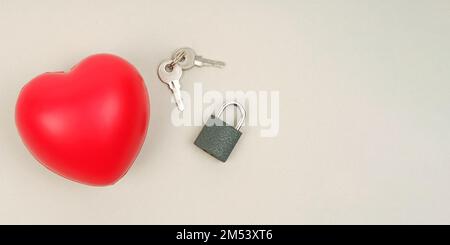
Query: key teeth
200	61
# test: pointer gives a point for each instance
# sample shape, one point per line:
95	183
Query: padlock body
218	138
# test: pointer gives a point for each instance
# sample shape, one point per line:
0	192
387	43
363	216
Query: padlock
217	137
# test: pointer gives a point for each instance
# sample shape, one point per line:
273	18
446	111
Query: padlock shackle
241	109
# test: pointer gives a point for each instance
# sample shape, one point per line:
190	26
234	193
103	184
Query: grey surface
364	111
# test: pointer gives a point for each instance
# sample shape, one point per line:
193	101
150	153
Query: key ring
180	55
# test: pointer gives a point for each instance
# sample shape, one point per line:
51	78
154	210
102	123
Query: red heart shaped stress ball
88	124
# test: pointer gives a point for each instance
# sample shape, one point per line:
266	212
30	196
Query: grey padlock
218	138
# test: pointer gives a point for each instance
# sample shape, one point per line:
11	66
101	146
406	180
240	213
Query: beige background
364	111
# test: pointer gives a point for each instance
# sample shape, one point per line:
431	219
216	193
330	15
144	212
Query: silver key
191	59
172	78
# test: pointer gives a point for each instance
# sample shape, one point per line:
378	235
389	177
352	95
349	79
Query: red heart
89	124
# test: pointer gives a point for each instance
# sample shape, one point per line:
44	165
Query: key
191	59
171	76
